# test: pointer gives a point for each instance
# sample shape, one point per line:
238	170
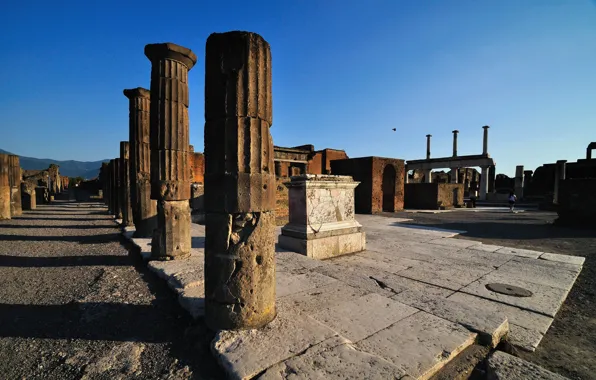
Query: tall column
124	193
109	187
485	140
560	169
428	146
239	183
519	181
4	187
169	141
492	175
144	209
115	185
14	176
483	182
455	143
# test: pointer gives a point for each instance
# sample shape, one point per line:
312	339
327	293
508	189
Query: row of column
149	185
11	188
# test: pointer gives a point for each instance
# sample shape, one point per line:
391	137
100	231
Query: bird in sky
393	129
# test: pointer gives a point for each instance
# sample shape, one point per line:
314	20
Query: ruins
5	190
169	144
14	176
28	196
124	191
239	182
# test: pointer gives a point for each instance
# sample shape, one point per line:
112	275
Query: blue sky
344	73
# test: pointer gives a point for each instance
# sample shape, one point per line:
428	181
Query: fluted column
14	176
144	209
239	182
169	140
4	187
124	192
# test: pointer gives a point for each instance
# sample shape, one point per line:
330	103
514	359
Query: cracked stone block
503	366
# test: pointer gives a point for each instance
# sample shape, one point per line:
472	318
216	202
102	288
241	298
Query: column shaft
4	187
127	220
14	176
483	183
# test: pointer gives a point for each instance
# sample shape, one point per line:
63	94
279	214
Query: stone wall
281	201
433	196
577	201
198	167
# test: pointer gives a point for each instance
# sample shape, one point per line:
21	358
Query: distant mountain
69	168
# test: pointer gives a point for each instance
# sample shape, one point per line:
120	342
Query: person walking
512	199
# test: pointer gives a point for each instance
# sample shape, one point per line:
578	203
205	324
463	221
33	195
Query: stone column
14	176
428	146
28	196
169	140
278	168
428	178
519	182
114	191
492	174
483	183
239	183
527	181
559	176
485	140
108	191
453	175
4	187
455	143
144	209
124	193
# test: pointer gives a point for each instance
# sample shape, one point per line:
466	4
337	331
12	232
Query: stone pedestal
28	196
239	183
322	223
124	192
4	187
144	209
169	143
519	182
14	177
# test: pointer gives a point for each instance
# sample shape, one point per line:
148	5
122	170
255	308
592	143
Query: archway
388	188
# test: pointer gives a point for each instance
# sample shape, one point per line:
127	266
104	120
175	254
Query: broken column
485	140
519	182
28	196
4	187
144	209
169	141
124	192
322	223
14	176
239	183
560	169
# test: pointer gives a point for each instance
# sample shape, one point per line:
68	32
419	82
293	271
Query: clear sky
344	73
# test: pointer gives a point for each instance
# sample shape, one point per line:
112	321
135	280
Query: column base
325	247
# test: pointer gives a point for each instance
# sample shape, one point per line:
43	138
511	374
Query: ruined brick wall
433	196
577	201
198	168
361	170
381	190
315	164
282	205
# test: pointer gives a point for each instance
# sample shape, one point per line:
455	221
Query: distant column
453	174
485	140
492	175
109	187
428	178
560	169
144	209
455	143
28	196
169	140
15	185
124	193
519	181
428	146
104	182
239	183
4	187
483	182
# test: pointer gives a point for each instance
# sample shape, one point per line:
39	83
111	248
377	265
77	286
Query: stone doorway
388	187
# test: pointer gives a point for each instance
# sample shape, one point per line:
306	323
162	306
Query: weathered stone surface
322	297
28	196
420	344
290	262
125	192
246	353
531	270
172	240
287	284
525	339
578	260
334	358
14	177
502	366
459	243
519	252
364	316
4	187
447	276
192	299
239	193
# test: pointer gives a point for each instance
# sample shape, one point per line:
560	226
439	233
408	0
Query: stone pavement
403	308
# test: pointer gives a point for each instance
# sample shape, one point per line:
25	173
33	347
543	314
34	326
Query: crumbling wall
378	167
577	201
433	196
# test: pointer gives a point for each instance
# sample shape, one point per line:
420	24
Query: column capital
138	92
429	135
170	51
455	131
486	127
561	161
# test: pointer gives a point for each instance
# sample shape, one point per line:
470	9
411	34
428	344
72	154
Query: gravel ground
569	347
75	305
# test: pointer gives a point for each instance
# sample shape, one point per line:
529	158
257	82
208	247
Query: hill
68	168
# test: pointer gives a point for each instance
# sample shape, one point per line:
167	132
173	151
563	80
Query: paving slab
244	354
166	269
459	243
334	358
519	252
485	247
193	300
363	261
503	366
452	277
401	284
545	299
185	280
359	318
490	326
287	283
324	296
293	262
420	344
535	271
524	339
578	260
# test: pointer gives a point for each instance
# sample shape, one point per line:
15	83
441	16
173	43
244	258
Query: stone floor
403	308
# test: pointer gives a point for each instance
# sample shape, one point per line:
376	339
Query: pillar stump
144	209
239	183
124	192
28	196
322	223
169	143
4	187
14	177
